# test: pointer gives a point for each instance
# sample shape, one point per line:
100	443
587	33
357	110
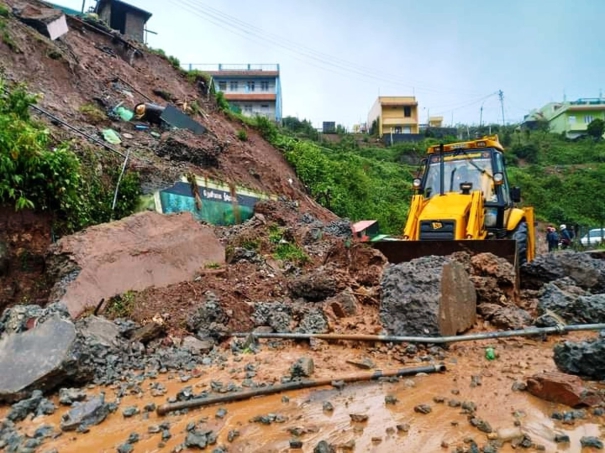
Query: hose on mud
297	385
432	340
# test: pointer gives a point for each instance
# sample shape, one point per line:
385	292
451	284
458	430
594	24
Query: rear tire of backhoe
519	234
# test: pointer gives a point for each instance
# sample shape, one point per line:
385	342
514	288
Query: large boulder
143	250
586	269
571	303
585	358
494	279
40	359
427	296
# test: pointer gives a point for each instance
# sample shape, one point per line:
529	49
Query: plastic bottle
490	354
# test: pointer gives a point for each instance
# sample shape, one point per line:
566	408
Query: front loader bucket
402	251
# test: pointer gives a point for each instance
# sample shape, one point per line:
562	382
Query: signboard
211	201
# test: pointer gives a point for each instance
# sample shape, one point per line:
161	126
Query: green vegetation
45	176
4	11
242	135
290	252
93	114
5	35
120	306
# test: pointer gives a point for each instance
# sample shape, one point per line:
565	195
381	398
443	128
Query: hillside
87	72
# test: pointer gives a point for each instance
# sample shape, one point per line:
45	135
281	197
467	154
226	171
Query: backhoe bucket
402	251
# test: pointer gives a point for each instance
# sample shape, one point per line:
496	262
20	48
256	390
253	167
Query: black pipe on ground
298	385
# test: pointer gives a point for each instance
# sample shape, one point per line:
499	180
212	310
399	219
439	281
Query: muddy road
471	380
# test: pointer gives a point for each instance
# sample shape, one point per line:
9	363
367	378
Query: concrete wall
105	13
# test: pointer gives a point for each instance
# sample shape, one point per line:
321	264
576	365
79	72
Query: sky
337	56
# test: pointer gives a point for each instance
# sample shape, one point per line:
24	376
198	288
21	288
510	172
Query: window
571	119
264	86
247	108
264	106
588	119
233	85
407	111
222	86
250	85
397	130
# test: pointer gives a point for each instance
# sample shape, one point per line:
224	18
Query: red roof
362	225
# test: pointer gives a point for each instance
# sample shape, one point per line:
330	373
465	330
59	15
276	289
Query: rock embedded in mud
344	304
296	443
427	296
85	414
481	425
585	358
423	409
359	418
324	447
196	345
68	396
494	278
562	388
303	367
316	286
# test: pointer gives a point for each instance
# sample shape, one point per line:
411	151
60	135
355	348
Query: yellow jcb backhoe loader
463	202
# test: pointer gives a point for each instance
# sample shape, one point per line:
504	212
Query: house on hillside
254	89
127	19
395	116
569	118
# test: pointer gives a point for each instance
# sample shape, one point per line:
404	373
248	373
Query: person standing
552	238
566	236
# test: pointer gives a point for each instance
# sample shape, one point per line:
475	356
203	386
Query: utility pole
501	96
481	116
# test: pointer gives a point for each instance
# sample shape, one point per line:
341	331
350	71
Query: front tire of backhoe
519	234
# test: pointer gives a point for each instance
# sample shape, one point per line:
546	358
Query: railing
231	67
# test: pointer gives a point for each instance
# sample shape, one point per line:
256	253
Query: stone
196	345
585	358
315	286
562	388
142	250
344	304
359	418
364	364
510	317
427	296
324	447
85	414
41	358
494	278
571	303
303	367
481	425
68	396
591	442
586	269
148	332
423	409
102	330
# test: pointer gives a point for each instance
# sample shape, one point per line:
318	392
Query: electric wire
248	31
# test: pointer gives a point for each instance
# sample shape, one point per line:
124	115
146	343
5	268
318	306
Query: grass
4	11
291	252
93	114
121	306
242	135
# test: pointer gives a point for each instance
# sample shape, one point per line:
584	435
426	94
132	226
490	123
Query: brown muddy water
441	430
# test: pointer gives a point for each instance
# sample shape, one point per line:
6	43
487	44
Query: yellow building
395	114
435	121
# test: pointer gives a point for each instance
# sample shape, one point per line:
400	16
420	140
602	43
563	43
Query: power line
326	62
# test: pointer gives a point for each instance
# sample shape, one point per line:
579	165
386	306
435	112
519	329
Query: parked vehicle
593	238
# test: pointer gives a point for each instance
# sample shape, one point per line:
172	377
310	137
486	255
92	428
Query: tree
596	128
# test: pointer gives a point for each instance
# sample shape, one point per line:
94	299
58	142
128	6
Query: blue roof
65	9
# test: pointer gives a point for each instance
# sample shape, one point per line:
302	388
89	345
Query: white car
593	238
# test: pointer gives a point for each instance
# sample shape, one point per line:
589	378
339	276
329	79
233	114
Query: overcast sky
337	56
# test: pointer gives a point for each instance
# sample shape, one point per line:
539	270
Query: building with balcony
395	115
569	118
255	89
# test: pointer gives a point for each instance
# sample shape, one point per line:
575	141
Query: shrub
242	135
